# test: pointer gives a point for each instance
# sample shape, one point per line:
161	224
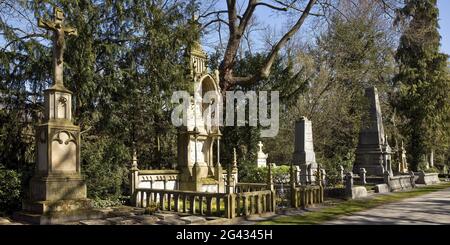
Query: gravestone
373	151
261	159
57	189
199	140
362	176
304	155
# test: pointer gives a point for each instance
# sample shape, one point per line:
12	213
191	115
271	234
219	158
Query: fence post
349	184
134	178
293	193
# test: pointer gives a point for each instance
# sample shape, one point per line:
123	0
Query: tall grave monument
304	155
57	189
373	152
199	140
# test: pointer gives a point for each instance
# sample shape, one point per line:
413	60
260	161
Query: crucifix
59	30
260	144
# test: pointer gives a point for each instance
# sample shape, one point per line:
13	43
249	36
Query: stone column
134	177
349	183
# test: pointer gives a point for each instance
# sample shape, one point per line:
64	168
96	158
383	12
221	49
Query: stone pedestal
304	155
373	152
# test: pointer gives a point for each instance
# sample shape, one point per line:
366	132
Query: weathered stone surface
399	183
95	222
193	220
381	188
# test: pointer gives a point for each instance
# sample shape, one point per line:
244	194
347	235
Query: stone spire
198	56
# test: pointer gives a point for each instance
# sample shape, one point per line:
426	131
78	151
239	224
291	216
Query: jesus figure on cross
59	30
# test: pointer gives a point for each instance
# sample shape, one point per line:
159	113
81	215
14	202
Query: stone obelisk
373	152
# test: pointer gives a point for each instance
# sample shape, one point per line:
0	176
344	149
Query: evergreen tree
423	86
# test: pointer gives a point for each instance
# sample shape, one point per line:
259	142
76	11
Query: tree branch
272	6
215	21
265	70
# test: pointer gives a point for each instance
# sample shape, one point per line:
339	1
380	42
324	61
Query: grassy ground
348	207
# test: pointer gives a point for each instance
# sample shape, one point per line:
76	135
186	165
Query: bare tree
237	19
238	26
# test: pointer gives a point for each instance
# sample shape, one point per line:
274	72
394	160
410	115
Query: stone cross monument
373	152
304	155
57	186
261	160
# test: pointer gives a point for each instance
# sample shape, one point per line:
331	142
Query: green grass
352	206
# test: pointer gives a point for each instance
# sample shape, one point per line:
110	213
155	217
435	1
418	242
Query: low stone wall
428	178
158	179
399	183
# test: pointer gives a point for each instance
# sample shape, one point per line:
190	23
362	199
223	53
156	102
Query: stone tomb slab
165	216
193	220
171	221
146	219
95	222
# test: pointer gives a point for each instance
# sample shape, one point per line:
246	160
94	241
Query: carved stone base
57	212
45	207
58	187
58	217
371	160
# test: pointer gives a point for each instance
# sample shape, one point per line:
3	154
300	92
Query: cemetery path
432	208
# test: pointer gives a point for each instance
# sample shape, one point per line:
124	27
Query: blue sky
444	22
275	21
